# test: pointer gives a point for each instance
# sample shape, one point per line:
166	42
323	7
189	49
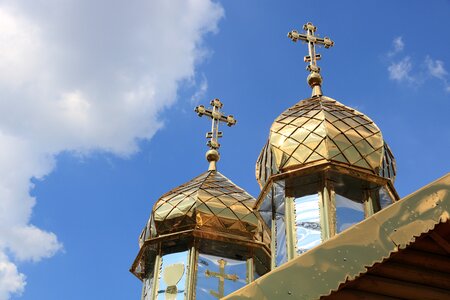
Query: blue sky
97	116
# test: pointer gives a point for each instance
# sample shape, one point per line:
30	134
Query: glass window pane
385	198
256	275
348	212
266	209
307	222
218	276
172	277
280	226
278	196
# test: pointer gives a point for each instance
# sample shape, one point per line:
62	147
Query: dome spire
212	155
314	77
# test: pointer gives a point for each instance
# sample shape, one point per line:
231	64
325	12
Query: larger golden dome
208	203
322	130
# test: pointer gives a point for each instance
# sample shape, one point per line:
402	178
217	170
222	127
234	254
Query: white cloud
401	71
11	281
75	76
201	91
436	69
397	46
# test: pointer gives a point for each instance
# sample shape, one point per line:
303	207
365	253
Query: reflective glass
172	277
266	209
280	226
348	212
385	198
256	275
307	222
278	196
147	289
218	276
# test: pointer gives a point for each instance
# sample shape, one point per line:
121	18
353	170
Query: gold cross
314	79
216	116
222	276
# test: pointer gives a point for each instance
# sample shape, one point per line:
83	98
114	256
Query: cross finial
212	156
314	78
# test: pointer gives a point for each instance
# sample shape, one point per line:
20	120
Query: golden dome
321	129
209	202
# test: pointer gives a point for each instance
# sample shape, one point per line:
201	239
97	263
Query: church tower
203	239
324	168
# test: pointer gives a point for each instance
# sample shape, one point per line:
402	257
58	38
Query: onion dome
322	130
208	218
209	203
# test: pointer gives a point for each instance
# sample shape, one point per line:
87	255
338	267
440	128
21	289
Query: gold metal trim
201	234
218	236
327	166
250	270
191	274
216	116
325	213
273	245
290	227
332	210
156	276
314	78
369	205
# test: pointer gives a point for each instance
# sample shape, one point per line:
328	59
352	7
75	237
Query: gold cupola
324	167
320	130
203	239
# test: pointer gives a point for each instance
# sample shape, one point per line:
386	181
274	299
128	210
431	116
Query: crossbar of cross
222	276
216	117
312	40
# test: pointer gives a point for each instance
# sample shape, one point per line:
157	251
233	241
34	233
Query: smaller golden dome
321	130
209	202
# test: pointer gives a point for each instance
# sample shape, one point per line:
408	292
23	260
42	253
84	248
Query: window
348	212
280	223
219	276
280	227
307	222
385	198
172	276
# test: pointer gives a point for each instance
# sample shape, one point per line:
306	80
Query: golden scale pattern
321	128
208	201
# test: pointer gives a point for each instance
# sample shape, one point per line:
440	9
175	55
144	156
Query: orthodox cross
222	276
216	116
314	78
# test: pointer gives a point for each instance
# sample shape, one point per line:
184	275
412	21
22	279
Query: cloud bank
82	76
